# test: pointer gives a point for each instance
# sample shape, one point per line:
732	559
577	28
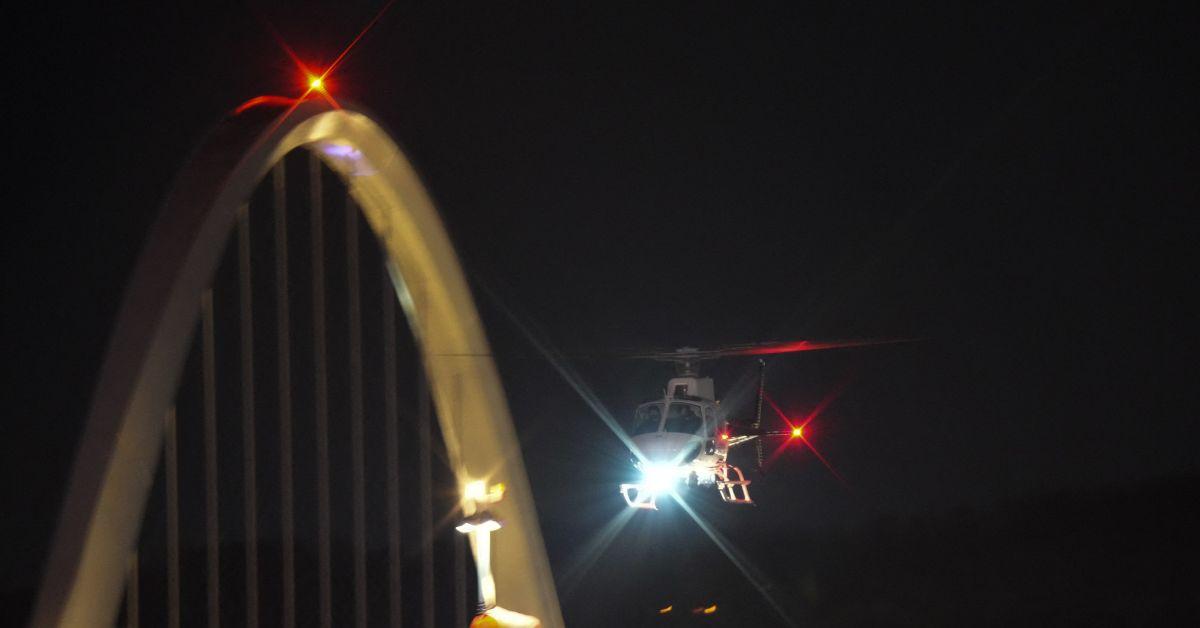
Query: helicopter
686	436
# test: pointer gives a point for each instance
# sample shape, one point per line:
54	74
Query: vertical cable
249	460
172	481
285	399
357	462
459	541
762	388
460	580
132	604
320	392
391	421
211	521
425	496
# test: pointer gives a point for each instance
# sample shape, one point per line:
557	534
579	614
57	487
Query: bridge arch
119	448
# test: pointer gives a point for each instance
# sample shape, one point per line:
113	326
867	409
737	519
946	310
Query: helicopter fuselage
683	437
686	437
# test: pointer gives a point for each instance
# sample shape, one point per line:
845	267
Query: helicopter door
710	431
711	422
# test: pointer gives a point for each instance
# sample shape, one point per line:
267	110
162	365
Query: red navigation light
724	435
318	85
317	82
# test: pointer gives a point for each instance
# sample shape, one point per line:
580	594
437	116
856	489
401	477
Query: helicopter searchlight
662	478
657	479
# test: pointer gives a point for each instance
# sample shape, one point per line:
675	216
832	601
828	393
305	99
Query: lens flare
798	430
753	575
318	82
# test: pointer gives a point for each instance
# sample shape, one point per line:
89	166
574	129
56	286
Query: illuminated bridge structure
260	448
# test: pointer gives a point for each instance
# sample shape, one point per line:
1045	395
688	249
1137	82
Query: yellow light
710	610
666	609
316	83
798	431
475	491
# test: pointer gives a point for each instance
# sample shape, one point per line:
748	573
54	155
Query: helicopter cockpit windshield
684	418
647	420
681	417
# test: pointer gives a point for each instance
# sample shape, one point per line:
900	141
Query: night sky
1010	186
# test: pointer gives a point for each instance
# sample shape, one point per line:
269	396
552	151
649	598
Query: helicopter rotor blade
691	354
800	346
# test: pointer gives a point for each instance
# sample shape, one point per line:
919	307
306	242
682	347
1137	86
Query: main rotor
687	360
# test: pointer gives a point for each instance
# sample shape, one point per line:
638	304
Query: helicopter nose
665	448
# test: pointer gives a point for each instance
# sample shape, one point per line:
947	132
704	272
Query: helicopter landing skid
642	498
732	485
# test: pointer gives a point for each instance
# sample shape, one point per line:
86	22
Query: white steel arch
120	445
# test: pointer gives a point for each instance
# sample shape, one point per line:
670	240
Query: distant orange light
710	610
666	609
724	435
798	431
316	83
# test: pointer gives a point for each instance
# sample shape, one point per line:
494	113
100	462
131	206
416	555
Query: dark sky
1011	185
